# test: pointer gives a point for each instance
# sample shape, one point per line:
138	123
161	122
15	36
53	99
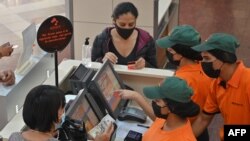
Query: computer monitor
103	85
84	110
80	78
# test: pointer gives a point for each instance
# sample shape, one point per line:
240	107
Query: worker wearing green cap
230	91
179	52
170	109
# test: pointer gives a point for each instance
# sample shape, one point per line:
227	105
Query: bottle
86	53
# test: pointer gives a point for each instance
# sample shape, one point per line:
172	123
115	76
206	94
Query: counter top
68	65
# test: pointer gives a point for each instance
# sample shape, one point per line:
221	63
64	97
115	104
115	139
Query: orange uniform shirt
197	80
233	102
155	132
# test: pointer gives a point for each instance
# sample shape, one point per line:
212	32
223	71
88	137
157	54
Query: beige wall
90	17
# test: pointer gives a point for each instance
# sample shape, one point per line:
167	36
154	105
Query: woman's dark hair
224	56
40	109
183	110
187	52
123	8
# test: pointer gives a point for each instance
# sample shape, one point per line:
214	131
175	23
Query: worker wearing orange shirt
230	91
179	52
171	107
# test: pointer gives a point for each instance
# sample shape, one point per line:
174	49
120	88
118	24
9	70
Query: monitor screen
108	83
81	110
104	84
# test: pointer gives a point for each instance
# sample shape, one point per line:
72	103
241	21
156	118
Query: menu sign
54	34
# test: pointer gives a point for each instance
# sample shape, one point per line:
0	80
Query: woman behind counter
124	43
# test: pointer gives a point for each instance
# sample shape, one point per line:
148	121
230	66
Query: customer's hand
140	63
128	94
106	135
7	77
6	50
111	57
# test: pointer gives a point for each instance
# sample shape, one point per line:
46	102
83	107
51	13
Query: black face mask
170	57
207	67
123	32
157	111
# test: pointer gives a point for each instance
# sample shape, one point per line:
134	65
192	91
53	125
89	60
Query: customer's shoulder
144	35
16	136
105	32
143	32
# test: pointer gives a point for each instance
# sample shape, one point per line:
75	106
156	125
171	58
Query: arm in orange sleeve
209	109
211	105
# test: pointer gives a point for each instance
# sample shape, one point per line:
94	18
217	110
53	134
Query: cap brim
202	47
165	42
152	92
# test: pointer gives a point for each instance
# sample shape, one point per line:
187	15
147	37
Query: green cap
220	41
172	88
184	35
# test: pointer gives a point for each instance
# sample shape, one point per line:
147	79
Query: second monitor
105	82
